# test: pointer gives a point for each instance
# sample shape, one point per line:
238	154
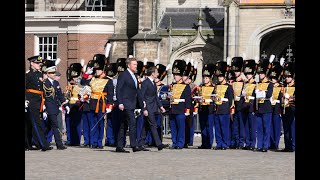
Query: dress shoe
161	146
177	147
233	147
224	148
251	148
121	150
258	150
61	147
47	148
99	147
185	146
143	148
94	146
85	145
172	147
287	150
136	149
264	150
218	148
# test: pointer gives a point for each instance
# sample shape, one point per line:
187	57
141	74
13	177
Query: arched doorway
277	42
267	35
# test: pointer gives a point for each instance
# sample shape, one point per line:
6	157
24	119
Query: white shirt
51	80
152	80
133	77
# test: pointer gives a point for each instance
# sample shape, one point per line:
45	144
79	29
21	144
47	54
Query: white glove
43	107
60	108
260	94
89	71
67	109
186	114
44	115
286	95
82	99
108	110
114	98
26	103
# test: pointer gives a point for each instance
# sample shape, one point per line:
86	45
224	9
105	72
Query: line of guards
232	107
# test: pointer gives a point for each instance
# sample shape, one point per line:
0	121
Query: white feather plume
82	62
156	61
145	60
187	60
282	61
229	61
244	56
57	61
256	58
192	61
130	56
84	68
49	58
271	58
196	64
168	67
108	47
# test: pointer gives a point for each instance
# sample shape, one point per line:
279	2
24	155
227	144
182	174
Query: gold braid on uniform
49	91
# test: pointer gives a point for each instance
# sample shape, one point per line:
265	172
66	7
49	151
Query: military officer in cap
54	99
223	101
263	111
238	131
206	108
101	100
288	114
248	105
111	71
180	101
34	105
74	114
275	129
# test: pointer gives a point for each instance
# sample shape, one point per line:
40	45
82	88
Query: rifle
285	100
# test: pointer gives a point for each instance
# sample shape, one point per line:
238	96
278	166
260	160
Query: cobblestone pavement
89	164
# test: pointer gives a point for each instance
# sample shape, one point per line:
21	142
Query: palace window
47	46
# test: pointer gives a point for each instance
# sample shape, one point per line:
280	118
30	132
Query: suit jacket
149	95
53	96
127	93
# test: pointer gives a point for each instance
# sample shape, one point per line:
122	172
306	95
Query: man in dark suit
128	95
54	98
149	96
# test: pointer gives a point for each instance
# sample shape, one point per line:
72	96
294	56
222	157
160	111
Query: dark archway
277	42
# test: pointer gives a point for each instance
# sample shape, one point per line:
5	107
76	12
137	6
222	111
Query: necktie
135	80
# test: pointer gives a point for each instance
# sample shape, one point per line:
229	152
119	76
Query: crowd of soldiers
232	108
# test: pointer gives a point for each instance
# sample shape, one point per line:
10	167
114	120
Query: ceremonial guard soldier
84	95
248	106
34	104
263	111
101	100
180	105
238	131
223	100
188	78
111	71
73	118
204	94
54	98
275	129
288	114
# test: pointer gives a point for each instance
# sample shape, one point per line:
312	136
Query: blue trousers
177	126
97	128
75	127
189	132
109	132
68	130
139	126
289	125
250	127
275	131
206	125
222	125
49	131
149	138
263	129
115	121
86	127
238	130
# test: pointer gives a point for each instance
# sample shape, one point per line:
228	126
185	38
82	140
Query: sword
98	121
